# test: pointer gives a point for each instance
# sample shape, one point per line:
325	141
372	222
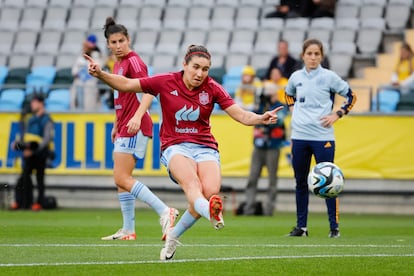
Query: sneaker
168	251
298	232
216	212
167	221
121	235
334	233
36	207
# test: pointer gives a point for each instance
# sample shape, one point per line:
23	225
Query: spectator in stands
284	61
318	8
279	81
286	9
36	145
188	149
84	89
130	134
312	132
246	93
402	78
267	140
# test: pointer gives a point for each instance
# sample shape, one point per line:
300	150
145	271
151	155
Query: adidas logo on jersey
175	93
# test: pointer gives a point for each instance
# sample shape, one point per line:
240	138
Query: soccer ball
326	180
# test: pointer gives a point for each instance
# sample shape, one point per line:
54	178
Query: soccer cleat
168	251
121	235
216	212
36	207
167	221
334	233
298	232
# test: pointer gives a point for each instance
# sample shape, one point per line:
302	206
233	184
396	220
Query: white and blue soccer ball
326	180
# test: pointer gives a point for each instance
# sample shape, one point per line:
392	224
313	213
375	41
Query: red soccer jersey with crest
186	113
126	104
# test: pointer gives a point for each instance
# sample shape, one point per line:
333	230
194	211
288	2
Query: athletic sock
127	202
185	222
141	192
202	207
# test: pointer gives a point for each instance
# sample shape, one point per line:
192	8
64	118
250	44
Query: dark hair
310	42
111	27
196	50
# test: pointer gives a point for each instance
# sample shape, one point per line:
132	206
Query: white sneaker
168	251
216	212
167	221
121	235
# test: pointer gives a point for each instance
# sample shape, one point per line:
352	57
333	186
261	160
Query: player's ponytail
111	27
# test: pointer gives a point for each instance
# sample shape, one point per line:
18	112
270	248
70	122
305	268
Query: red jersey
186	113
126	104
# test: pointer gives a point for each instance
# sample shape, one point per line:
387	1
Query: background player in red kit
189	150
130	134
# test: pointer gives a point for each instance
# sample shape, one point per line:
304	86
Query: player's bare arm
250	118
117	82
134	124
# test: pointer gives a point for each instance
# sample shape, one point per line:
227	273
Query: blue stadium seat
3	74
58	100
11	99
40	79
232	79
387	101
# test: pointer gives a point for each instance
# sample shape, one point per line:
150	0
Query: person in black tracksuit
35	145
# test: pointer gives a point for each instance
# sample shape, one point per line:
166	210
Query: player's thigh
183	170
210	177
124	164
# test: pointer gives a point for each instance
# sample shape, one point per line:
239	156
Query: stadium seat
175	17
63	77
4	70
199	17
232	79
9	18
386	101
32	19
49	42
40	79
217	73
150	18
58	100
17	76
406	102
11	99
55	18
25	42
369	35
397	14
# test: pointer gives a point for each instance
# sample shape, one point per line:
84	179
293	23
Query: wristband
340	113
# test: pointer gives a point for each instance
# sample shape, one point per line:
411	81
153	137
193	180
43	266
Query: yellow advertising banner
367	146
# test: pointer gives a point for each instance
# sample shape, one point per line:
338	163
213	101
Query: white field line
116	244
210	260
207	259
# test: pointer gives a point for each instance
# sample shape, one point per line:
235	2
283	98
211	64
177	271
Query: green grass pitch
67	242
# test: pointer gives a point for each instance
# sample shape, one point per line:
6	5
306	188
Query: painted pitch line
209	260
116	244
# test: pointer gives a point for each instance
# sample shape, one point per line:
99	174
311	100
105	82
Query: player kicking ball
189	151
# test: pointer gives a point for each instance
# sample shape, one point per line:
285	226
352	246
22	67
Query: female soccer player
189	150
130	134
310	95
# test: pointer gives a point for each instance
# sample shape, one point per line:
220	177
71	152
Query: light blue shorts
196	152
135	145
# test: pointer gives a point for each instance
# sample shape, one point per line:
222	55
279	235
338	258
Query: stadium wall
368	146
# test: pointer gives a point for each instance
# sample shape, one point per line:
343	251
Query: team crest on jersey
120	71
203	98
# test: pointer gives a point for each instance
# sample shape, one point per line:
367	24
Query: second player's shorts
135	145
